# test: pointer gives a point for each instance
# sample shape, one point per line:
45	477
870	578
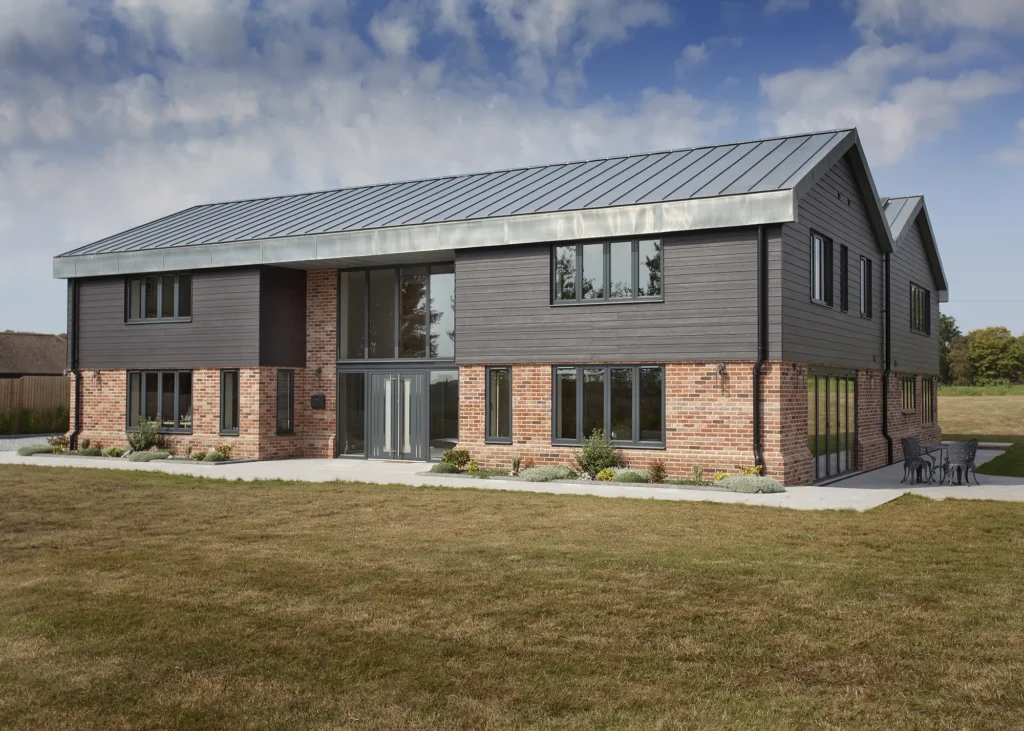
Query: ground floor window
229	402
499	405
352	414
162	396
626	402
832	422
285	401
444	412
910	393
927	402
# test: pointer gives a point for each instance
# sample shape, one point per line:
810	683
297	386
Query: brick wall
784	409
909	424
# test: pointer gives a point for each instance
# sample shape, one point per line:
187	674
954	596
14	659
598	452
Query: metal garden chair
913	462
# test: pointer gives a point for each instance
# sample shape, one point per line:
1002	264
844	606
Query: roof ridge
519	167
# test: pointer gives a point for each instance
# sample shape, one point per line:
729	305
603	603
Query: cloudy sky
115	112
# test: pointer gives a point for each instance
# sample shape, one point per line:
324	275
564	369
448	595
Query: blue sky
115	112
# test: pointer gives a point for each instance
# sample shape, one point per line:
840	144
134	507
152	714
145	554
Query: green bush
457	457
444	468
145	436
750	484
597	453
606	475
148	456
59	443
690	482
547	474
630	476
90	452
26	421
214	457
35	449
113	452
198	456
224	450
656	472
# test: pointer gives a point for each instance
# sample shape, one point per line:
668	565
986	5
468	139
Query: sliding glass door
832	422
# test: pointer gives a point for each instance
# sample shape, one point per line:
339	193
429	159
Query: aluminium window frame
291	403
926	310
827	270
908	386
636	298
225	432
488	437
142	373
867	285
398	314
844	278
144	320
607	368
927	401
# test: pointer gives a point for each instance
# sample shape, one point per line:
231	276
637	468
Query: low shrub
86	443
444	468
486	473
90	452
689	482
597	453
198	456
35	449
630	476
517	465
148	456
214	457
225	450
457	457
59	443
113	452
656	472
754	471
547	474
145	436
605	475
473	468
751	484
698	474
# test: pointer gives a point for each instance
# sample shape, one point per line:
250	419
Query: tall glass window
184	400
444	412
382	313
565	273
152	292
621	269
352	324
229	402
621	403
499	405
593	401
593	272
565	404
412	332
152	408
652	405
649	268
135	408
442	311
285	401
352	414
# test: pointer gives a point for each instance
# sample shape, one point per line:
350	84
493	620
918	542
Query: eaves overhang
352	248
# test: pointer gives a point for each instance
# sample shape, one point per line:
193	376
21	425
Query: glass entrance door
832	423
398	416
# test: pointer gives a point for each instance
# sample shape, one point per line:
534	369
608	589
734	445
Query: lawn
991	418
142	600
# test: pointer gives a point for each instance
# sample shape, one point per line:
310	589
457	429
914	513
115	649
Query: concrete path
862	492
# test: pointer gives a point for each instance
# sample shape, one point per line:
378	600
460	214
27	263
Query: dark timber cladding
913	351
282	317
836	208
505	315
224	330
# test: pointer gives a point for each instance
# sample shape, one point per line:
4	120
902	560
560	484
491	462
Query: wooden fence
39	393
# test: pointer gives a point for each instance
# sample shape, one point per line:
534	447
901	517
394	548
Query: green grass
1008	464
141	600
1017	390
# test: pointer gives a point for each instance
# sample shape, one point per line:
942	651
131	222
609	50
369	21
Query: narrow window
135	299
444	412
844	279
565	273
927	402
621	405
167	296
442	311
593	401
151	410
593	272
352	413
821	270
285	402
649	269
134	399
920	310
352	323
184	295
229	410
412	303
167	400
621	267
866	287
152	294
652	405
499	405
382	313
910	393
184	401
565	404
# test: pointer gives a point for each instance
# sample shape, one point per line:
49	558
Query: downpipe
75	371
762	341
888	366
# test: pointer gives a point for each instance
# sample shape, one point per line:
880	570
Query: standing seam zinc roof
759	166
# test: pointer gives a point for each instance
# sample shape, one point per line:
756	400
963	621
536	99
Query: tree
948	332
995	356
960	363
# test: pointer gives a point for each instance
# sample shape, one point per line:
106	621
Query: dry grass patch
133	600
982	414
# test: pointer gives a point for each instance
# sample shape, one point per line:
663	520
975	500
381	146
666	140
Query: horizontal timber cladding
913	351
282	317
504	312
835	208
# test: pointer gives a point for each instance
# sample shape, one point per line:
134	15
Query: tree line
991	356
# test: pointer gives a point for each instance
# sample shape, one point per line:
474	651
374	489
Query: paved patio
861	492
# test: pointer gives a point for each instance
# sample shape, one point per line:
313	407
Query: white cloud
911	15
892	116
1014	154
697	54
86	152
694	54
785	6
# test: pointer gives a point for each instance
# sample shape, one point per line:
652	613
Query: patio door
832	422
398	415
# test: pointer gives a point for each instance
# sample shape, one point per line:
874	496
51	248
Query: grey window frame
844	278
398	314
925	310
867	285
177	428
927	401
606	255
238	406
143	319
826	271
635	442
291	402
909	388
488	437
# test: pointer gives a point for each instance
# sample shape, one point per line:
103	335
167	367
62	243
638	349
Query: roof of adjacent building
715	186
32	354
900	213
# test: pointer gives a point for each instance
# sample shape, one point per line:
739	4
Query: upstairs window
821	270
920	310
910	393
158	297
844	279
866	287
616	271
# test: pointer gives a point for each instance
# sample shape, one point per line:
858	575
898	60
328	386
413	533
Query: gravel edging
14	442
